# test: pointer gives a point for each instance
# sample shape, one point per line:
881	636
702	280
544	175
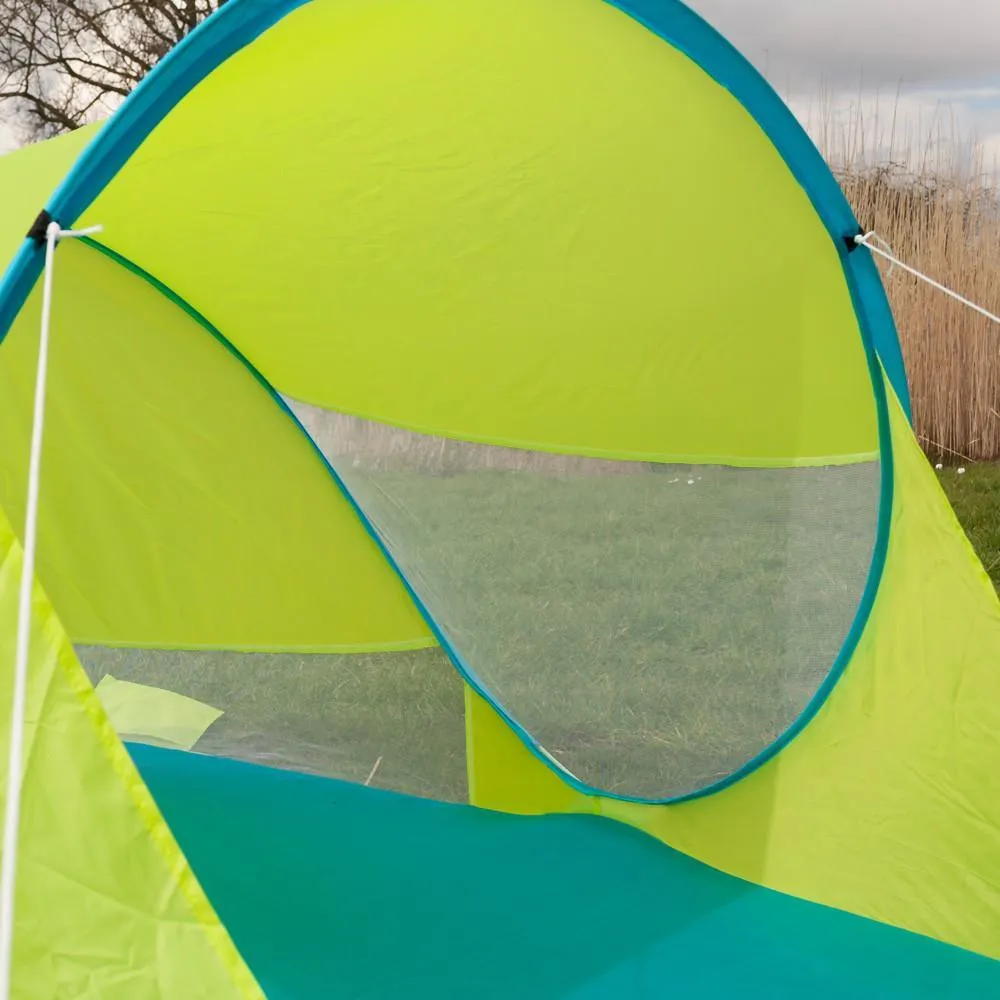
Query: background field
935	201
771	572
653	630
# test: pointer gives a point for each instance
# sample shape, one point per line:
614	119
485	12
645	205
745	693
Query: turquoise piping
679	26
861	617
459	662
687	32
239	22
467	673
232	27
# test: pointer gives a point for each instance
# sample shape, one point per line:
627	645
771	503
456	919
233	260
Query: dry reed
941	213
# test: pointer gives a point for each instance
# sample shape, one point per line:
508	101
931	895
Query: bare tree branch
64	63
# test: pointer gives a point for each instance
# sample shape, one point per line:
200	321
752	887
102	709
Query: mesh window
393	720
654	627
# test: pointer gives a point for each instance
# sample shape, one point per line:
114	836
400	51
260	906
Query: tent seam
812	708
201	52
176	863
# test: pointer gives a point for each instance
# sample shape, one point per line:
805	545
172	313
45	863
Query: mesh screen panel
654	627
394	719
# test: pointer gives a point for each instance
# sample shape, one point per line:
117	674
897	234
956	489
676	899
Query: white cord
869	240
15	764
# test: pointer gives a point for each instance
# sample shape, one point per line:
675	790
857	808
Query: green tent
483	550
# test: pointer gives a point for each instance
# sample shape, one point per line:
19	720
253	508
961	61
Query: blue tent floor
331	890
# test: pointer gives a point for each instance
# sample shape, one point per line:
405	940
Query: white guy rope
15	761
870	240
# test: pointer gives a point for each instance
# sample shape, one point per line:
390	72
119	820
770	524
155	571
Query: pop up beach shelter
482	546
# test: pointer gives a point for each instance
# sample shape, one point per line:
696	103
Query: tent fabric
27	179
613	639
684	29
208	47
885	804
332	889
776	372
107	907
570	228
183	508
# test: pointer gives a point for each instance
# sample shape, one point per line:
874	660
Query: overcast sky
943	54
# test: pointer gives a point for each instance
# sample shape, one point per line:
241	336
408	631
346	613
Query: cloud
924	43
910	78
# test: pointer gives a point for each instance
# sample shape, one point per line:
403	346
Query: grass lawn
976	499
654	630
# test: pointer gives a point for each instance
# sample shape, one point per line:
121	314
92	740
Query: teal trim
865	606
199	318
468	675
336	890
239	22
207	325
232	27
687	31
459	662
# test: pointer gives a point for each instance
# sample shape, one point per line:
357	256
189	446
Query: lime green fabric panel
180	507
107	907
27	179
886	805
472	219
145	713
503	774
